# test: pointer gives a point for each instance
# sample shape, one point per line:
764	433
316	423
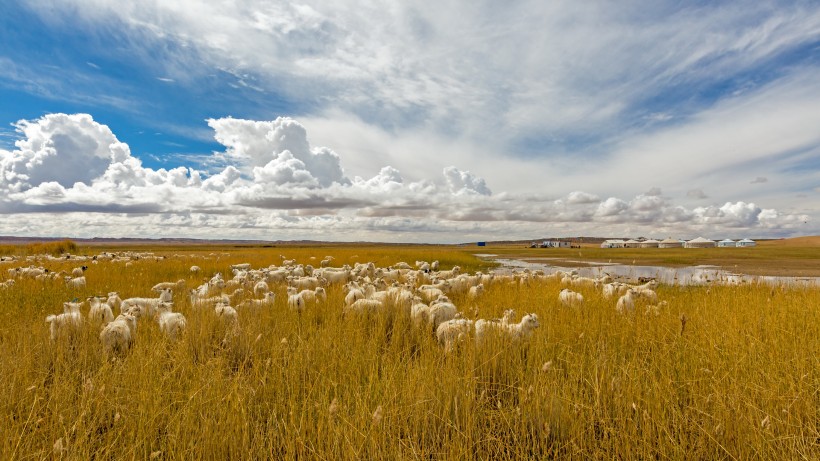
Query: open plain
718	371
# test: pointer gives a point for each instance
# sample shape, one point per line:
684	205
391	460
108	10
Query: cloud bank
275	185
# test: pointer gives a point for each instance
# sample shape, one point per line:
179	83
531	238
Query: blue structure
482	244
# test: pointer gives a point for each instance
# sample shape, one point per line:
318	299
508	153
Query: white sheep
267	300
76	282
195	269
118	336
419	312
320	294
440	311
172	324
570	298
484	327
626	303
114	300
364	305
68	322
450	332
146	306
178	285
227	315
78	271
523	329
476	291
295	299
260	288
99	312
646	293
655	309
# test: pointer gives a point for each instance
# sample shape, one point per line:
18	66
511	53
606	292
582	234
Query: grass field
723	372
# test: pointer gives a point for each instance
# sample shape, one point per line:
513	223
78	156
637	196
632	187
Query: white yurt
746	243
700	242
615	243
631	243
651	243
670	243
727	243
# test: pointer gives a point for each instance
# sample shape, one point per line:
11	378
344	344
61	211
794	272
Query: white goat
68	322
626	303
452	331
570	298
172	324
76	282
267	300
146	306
118	336
99	312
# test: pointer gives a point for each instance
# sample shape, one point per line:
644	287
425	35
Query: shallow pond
692	275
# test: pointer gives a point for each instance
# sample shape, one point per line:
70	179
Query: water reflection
693	275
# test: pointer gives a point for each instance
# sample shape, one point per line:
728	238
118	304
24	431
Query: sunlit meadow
721	372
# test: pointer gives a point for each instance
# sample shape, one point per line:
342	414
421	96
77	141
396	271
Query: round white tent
700	242
649	244
670	243
631	243
727	243
746	243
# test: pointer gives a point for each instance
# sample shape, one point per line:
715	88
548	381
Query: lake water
693	275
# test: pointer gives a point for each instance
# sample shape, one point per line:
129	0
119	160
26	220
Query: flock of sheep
423	292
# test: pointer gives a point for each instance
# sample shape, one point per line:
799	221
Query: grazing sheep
655	309
364	305
354	294
146	306
76	282
100	312
171	324
646	293
228	315
440	311
570	298
118	336
267	300
178	285
260	288
320	294
524	328
295	299
476	291
78	271
419	312
114	300
612	289
626	303
452	331
195	269
68	322
484	327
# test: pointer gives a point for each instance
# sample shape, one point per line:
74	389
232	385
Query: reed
722	372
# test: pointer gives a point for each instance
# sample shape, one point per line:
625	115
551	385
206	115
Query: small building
631	244
555	244
614	243
727	243
700	242
670	243
651	243
746	243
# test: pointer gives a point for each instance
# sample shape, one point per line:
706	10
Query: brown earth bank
795	257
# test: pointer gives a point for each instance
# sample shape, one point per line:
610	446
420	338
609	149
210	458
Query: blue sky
399	122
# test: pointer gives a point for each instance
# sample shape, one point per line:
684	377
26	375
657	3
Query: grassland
724	372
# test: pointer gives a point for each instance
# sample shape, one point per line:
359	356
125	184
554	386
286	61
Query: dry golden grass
720	373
